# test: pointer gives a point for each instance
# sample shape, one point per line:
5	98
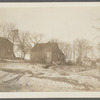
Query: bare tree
33	39
67	50
98	36
98	47
74	51
82	49
21	44
26	41
6	30
14	36
9	31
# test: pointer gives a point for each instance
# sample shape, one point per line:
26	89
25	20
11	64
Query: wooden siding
6	49
46	53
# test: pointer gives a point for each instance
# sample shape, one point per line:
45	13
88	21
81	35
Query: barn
6	48
47	53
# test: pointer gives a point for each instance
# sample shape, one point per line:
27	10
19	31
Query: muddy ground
26	77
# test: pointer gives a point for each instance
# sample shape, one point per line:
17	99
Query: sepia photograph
50	47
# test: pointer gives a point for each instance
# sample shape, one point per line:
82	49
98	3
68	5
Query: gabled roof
47	47
44	46
5	41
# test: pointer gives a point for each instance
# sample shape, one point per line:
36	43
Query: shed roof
5	41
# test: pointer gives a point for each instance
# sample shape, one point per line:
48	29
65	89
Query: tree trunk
21	55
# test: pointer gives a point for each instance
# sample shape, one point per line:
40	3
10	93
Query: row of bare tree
23	41
78	51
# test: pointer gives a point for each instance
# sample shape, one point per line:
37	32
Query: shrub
47	66
70	63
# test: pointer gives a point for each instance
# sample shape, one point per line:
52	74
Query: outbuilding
6	48
47	53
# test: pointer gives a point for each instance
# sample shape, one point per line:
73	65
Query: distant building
47	53
6	48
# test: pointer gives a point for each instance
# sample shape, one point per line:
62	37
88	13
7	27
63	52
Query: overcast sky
64	23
